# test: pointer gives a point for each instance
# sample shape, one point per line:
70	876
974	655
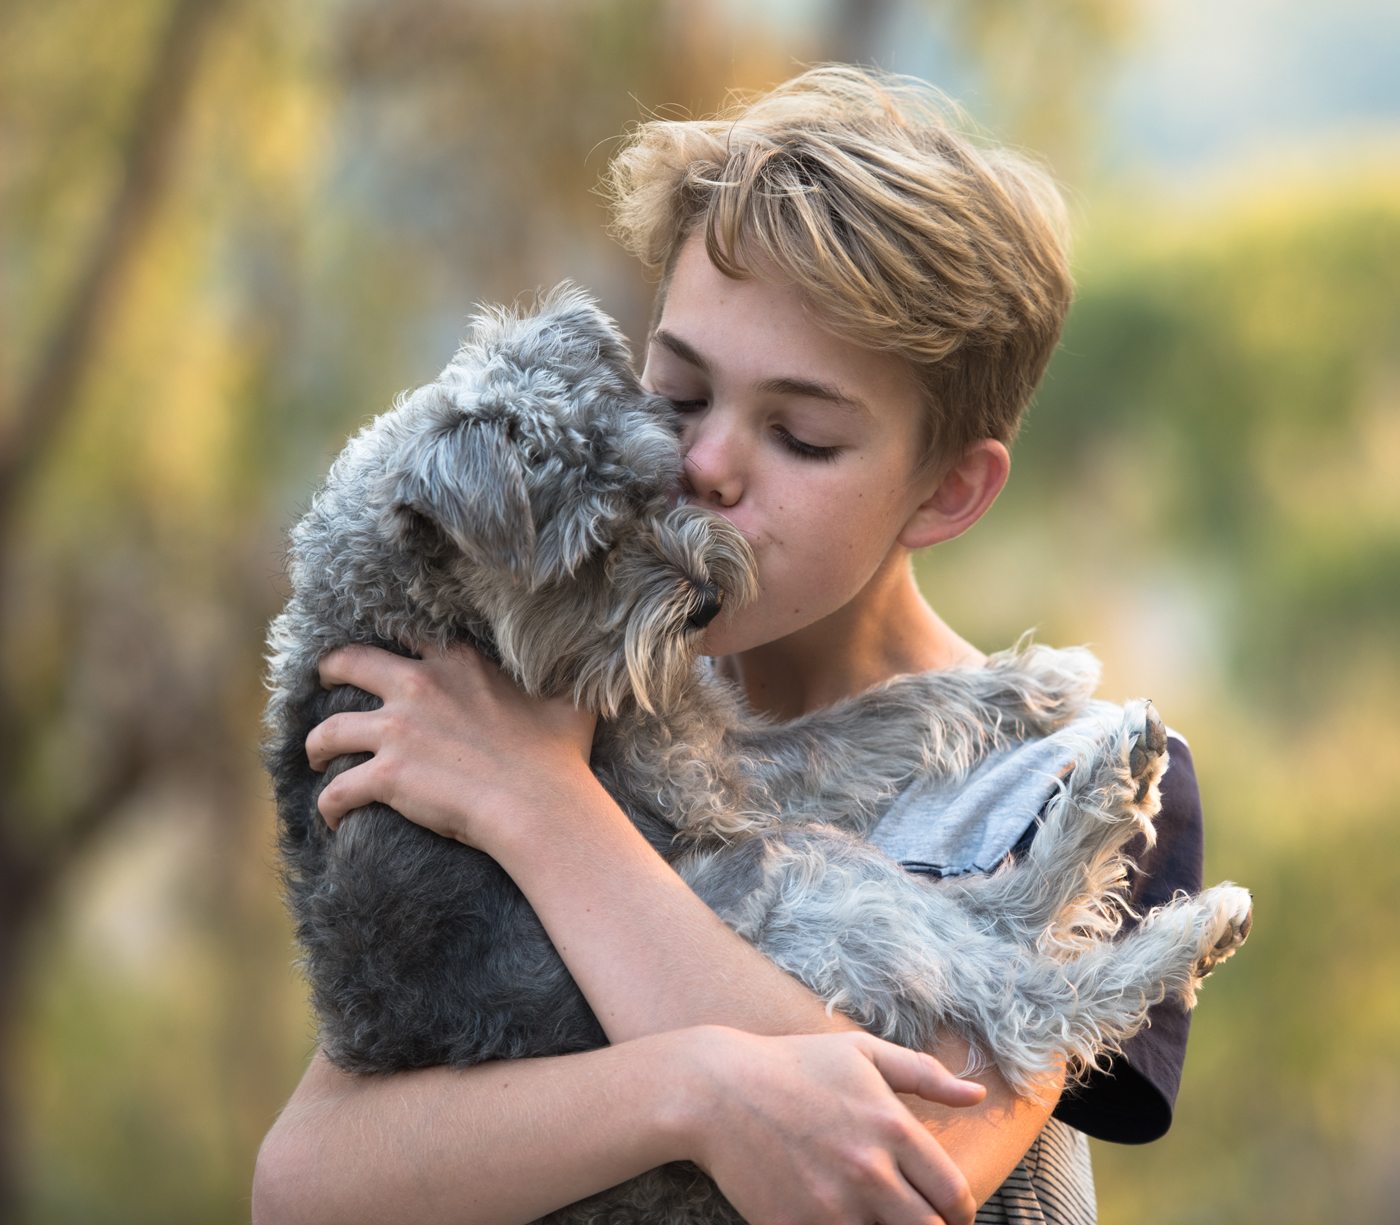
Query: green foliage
1250	363
1290	1107
1208	490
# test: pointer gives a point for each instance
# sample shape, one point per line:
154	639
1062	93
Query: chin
725	637
717	645
741	634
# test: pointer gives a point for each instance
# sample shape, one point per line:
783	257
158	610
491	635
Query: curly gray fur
519	503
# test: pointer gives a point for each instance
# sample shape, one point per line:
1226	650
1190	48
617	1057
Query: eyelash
805	449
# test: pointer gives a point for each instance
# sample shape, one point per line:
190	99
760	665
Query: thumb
907	1071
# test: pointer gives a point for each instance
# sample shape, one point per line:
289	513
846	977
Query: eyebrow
674	344
811	389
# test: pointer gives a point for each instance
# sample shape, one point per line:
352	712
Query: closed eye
689	406
805	449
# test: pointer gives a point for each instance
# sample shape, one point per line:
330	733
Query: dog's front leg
1063	895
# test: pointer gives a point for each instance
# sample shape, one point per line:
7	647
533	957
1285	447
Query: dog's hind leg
1198	932
1062	896
907	961
1078	1009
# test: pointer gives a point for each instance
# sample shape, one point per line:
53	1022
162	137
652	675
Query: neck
887	630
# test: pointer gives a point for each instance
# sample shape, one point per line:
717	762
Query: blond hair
901	234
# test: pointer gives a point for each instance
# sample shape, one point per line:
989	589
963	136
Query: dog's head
534	475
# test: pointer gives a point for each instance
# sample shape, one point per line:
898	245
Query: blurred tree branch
41	408
91	814
30	865
48	401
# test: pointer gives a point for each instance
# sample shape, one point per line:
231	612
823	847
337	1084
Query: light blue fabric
951	831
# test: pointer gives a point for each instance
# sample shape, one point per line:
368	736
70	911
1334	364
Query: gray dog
520	504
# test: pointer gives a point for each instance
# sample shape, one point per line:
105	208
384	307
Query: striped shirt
1053	1184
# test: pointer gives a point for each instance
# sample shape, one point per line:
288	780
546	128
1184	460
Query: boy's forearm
441	1145
650	956
987	1140
647	953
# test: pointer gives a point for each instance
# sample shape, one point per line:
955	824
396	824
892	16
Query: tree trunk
29	870
14	905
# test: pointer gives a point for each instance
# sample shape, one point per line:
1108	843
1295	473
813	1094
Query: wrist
553	801
686	1117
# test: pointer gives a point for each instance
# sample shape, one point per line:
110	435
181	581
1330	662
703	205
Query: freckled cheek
822	526
830	563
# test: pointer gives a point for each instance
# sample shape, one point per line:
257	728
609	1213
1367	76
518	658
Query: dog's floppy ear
465	475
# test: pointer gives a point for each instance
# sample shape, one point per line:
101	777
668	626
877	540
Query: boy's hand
458	747
808	1129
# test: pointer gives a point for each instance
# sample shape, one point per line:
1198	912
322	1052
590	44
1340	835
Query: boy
856	305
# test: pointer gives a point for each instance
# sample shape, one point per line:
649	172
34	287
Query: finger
456	652
932	1174
347	732
364	784
905	1204
456	656
885	1192
907	1071
372	669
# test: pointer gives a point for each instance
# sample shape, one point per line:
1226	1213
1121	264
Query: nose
712	471
711	601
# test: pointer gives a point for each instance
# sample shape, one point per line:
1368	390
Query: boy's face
807	443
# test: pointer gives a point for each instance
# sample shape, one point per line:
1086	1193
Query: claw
1235	934
1156	731
1151	743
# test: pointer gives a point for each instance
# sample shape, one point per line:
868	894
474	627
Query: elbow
279	1183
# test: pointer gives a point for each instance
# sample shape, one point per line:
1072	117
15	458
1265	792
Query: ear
962	495
580	511
465	476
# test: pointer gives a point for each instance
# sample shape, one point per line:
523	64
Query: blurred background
233	229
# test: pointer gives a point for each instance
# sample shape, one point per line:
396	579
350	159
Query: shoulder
1133	1099
1176	860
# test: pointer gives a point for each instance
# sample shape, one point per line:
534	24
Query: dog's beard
662	641
628	627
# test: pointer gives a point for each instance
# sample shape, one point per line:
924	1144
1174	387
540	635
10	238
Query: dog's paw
1145	759
1229	919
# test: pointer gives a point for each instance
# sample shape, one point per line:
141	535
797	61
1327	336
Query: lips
677	495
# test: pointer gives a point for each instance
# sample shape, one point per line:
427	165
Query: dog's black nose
711	601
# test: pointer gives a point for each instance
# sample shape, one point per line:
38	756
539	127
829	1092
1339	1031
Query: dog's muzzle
711	601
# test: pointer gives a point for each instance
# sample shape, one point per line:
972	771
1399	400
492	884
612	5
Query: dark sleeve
1131	1101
